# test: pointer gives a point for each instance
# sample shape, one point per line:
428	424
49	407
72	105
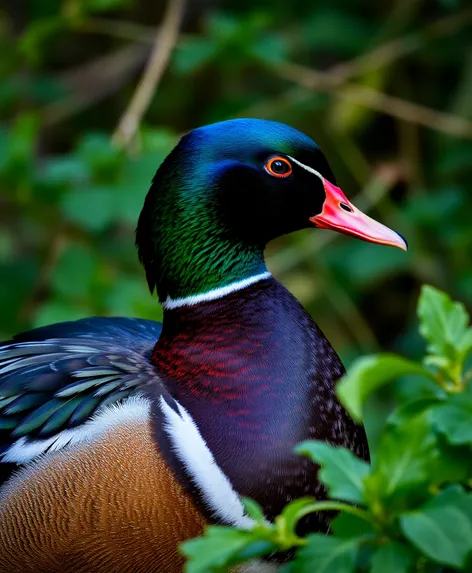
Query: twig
163	46
94	81
88	86
121	29
393	50
385	54
406	110
390	105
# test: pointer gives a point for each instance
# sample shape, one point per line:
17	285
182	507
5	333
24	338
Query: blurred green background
385	88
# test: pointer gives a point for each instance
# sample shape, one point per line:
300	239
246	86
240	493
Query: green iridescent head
221	195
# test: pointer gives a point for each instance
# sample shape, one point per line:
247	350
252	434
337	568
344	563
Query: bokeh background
385	88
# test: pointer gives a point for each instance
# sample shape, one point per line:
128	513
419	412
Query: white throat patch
214	294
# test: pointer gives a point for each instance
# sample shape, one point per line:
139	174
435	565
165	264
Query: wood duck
130	436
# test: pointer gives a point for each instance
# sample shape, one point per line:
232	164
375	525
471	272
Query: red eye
278	167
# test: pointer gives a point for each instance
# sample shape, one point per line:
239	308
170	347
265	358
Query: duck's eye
278	167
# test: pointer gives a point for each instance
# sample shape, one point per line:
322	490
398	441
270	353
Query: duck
120	438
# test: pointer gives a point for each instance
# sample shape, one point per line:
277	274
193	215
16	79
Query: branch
396	107
121	29
94	81
389	52
163	46
406	110
334	81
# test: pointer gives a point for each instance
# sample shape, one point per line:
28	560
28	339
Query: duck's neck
242	349
193	271
216	292
187	250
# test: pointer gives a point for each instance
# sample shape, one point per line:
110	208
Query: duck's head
229	188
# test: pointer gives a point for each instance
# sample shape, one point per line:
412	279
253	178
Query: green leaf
466	346
370	373
214	549
18	161
269	48
223	26
404	459
341	471
23	137
91	208
346	525
428	209
74	271
158	142
454	419
411	409
443	322
331	28
99	153
135	179
253	509
454	496
193	54
221	547
393	557
453	464
130	297
58	311
287	521
253	550
442	533
104	5
361	265
18	277
37	34
65	170
325	554
451	3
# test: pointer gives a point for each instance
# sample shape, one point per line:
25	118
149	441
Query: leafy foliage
411	509
69	200
341	471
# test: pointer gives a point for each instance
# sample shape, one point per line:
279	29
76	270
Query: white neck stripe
307	168
213	294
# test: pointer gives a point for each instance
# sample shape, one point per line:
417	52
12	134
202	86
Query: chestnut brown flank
113	506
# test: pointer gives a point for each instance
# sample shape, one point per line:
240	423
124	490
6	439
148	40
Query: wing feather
53	380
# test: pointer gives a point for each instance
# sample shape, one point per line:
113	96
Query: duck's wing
53	380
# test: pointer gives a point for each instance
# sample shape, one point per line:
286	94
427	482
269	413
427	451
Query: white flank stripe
307	168
134	409
192	450
213	294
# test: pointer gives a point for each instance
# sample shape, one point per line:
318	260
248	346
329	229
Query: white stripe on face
307	168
